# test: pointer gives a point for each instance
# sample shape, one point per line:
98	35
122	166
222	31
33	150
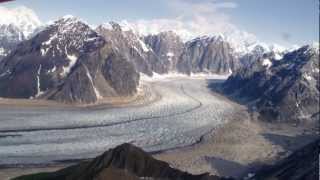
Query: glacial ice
186	111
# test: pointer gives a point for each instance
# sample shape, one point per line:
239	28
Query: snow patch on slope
97	93
2	52
144	46
39	92
72	61
267	63
170	55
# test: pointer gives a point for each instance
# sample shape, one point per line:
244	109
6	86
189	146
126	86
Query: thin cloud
197	18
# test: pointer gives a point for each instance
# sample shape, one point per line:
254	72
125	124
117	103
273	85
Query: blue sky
281	21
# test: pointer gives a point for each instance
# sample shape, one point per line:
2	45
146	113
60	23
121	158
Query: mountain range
281	90
70	61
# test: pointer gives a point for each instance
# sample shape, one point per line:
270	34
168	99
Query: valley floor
189	126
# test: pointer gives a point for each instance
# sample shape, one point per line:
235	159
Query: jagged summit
68	61
282	90
67	35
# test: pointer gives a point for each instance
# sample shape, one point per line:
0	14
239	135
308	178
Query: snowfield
186	111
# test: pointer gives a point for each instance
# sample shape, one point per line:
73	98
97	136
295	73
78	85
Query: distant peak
22	17
106	26
68	16
116	26
68	20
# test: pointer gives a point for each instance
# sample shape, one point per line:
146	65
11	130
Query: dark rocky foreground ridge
284	90
125	162
300	165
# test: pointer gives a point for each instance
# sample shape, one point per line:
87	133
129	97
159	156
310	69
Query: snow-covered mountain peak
22	17
278	48
68	16
260	48
124	26
107	26
68	36
208	39
68	20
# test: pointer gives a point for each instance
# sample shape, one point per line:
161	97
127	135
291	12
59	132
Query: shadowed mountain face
68	62
125	162
10	36
167	46
133	48
301	165
284	90
207	54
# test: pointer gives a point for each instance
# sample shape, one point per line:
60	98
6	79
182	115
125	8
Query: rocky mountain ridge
44	65
122	163
283	90
69	62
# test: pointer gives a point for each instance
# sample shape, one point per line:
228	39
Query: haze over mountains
70	61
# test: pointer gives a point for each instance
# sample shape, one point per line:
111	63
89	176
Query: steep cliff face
63	62
281	90
133	48
167	46
207	54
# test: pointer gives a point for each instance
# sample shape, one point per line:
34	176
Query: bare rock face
123	162
284	90
207	54
64	62
121	74
167	46
133	48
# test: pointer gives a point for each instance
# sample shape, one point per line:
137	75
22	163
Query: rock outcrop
284	90
207	54
125	162
133	48
302	164
69	62
167	46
